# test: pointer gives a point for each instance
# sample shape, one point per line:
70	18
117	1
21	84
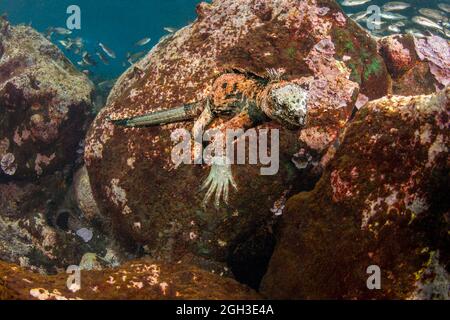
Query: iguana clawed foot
218	182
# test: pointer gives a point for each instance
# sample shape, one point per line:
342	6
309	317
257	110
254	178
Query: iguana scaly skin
250	99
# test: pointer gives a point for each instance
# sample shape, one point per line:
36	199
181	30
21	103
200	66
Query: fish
165	37
426	22
49	32
102	58
82	63
359	15
142	42
107	84
415	32
395	6
392	16
444	7
353	3
447	32
133	58
66	44
172	30
87	59
433	14
62	31
396	27
378	23
107	50
78	42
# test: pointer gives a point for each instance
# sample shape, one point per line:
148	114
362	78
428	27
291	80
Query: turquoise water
116	23
121	23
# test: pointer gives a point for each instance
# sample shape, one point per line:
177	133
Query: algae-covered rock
155	205
135	280
44	105
381	201
42	228
417	66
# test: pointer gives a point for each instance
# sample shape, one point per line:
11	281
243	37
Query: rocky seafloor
364	181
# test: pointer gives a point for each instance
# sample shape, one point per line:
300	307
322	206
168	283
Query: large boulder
382	201
135	280
154	205
44	105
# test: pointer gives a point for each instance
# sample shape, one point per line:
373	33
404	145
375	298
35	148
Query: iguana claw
218	181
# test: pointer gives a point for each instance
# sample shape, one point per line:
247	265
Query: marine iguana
251	100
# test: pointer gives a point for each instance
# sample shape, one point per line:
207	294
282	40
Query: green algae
373	68
291	52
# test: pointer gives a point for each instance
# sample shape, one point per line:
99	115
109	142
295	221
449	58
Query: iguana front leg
205	119
221	176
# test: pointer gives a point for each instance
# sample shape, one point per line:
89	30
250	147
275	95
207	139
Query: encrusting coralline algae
363	126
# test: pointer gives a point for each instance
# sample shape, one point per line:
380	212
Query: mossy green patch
373	68
354	75
291	52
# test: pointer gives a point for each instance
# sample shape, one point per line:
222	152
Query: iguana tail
179	114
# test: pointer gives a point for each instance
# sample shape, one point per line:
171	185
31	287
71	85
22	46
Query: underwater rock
83	194
40	226
44	105
417	66
157	206
382	201
436	51
135	280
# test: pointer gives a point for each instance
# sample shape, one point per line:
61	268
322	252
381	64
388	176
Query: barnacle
8	164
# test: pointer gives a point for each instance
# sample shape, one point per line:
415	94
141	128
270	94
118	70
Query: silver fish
447	32
415	32
78	42
444	7
87	59
170	29
107	84
107	50
392	16
359	15
396	27
426	22
353	3
395	6
49	32
102	58
133	58
433	14
142	42
62	31
66	44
